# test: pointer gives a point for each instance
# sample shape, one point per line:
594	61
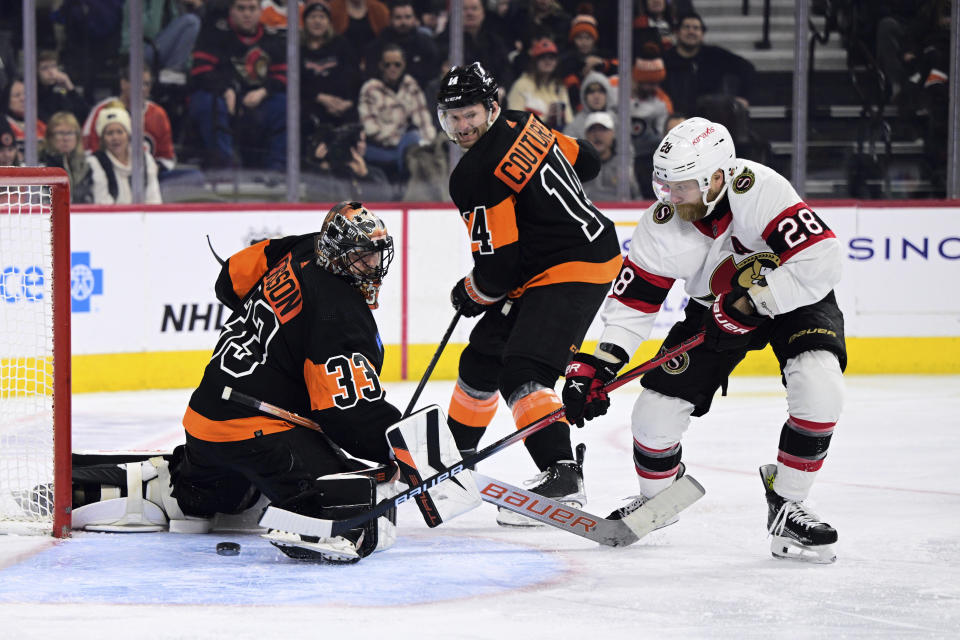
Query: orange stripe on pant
534	406
470	411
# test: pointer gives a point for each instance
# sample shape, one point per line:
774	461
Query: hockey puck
228	549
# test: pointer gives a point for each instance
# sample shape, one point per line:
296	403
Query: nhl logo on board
662	213
744	181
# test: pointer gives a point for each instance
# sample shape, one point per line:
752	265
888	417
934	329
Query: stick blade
656	511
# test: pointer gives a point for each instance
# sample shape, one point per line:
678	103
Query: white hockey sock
793	484
650	487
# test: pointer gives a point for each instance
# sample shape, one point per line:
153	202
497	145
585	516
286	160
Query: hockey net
34	351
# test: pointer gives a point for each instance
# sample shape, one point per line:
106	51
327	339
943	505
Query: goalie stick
654	513
330	528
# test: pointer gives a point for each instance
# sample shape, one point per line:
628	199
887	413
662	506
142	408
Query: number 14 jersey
530	222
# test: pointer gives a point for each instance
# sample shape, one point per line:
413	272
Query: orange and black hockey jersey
300	338
530	223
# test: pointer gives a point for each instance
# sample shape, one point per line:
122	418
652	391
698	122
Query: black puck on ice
228	549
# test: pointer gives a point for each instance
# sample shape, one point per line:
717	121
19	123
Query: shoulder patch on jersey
743	182
663	213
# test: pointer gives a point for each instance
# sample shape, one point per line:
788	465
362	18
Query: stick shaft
433	363
340	526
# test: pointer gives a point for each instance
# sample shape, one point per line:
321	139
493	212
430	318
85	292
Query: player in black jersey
300	336
544	257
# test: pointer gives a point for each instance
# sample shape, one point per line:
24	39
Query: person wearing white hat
111	166
601	133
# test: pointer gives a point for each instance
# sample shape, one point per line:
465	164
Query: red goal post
35	302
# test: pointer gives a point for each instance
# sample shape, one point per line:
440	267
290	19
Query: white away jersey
761	228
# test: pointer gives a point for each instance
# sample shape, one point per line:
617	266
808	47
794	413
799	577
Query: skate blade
789	549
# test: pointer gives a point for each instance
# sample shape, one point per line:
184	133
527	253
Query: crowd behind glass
215	89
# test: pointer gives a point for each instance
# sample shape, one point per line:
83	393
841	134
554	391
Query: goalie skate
797	533
336	550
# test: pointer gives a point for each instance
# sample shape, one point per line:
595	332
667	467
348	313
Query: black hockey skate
798	533
638	501
562	481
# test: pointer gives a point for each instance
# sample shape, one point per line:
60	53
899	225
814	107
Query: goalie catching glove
728	328
583	395
469	300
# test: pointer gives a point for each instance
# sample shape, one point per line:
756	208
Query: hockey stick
329	528
654	513
433	363
378	471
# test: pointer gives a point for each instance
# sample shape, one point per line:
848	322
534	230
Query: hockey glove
727	328
583	394
469	300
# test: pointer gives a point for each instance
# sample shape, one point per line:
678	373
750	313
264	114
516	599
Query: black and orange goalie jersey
530	223
300	338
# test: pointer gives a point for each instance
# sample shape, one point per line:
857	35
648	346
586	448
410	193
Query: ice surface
889	486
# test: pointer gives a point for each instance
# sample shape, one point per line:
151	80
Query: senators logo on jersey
731	274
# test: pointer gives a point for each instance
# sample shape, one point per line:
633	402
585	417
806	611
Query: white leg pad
131	514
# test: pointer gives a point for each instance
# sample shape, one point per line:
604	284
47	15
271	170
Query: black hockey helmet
464	86
354	244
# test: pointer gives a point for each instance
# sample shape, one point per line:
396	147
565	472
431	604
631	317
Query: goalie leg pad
332	497
424	446
132	513
131	497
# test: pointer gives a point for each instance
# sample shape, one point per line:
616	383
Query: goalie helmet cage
35	307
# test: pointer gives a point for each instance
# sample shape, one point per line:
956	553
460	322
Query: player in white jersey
759	266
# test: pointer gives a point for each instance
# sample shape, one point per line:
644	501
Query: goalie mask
354	244
694	150
464	87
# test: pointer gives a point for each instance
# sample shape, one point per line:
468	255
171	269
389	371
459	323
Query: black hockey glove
583	394
726	328
469	300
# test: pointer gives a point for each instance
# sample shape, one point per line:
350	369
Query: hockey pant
809	345
519	348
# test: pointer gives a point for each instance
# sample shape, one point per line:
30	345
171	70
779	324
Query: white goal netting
26	359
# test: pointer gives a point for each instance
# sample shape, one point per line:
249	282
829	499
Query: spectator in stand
329	74
419	49
535	19
695	69
273	13
15	101
394	113
170	29
653	23
601	133
111	166
584	57
239	79
539	90
63	148
650	107
359	21
55	90
596	96
344	171
9	154
157	134
482	43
